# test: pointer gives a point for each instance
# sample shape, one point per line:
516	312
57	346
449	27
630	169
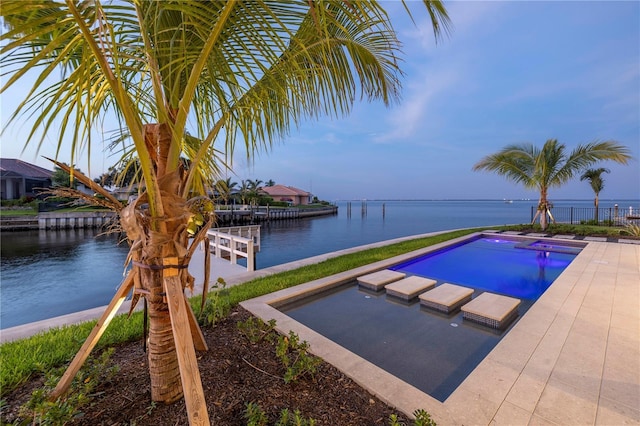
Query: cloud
435	70
407	119
468	19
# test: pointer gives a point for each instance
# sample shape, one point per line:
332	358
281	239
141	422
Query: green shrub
218	304
422	418
255	415
295	419
295	357
632	229
257	330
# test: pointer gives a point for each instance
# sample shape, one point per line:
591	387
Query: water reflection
50	273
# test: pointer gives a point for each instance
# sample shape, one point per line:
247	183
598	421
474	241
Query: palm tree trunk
156	239
164	370
596	204
543	206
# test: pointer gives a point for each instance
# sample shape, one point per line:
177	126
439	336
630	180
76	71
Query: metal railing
603	216
235	242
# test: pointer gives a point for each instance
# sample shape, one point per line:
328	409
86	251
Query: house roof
15	167
283	191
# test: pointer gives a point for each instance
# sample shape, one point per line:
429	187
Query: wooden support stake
94	336
189	373
196	333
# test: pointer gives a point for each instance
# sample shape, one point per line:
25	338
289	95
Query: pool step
491	310
410	287
488	309
446	297
377	280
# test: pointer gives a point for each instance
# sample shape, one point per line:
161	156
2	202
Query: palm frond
515	162
108	199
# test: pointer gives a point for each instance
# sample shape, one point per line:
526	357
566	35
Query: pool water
432	351
507	267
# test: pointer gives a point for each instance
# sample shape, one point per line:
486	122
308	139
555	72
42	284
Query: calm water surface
494	265
44	274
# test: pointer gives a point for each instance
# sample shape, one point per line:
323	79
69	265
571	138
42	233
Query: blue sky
510	72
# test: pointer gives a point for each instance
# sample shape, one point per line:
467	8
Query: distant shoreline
602	200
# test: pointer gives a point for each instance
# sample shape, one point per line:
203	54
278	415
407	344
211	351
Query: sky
510	72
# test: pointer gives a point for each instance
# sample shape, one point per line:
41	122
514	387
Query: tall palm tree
549	166
190	78
594	176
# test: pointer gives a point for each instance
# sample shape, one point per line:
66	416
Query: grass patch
82	209
39	353
18	212
34	212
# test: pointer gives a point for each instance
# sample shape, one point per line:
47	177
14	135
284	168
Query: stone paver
409	288
626	241
446	297
377	280
492	310
600	239
564	237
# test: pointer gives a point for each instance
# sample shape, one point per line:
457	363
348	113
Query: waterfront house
288	194
21	179
126	193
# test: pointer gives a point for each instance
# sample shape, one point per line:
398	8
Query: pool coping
530	376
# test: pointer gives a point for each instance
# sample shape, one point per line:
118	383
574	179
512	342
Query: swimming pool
517	268
433	352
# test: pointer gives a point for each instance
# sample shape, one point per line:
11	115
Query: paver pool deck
572	359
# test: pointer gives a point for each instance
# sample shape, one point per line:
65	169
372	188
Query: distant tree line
225	191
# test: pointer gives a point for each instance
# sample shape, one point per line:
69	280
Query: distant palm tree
254	186
225	188
550	166
244	191
270	182
594	176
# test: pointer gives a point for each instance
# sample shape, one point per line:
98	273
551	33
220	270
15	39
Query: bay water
44	274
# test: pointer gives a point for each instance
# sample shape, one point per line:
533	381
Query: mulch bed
234	372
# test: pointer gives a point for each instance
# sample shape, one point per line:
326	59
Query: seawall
53	220
79	220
